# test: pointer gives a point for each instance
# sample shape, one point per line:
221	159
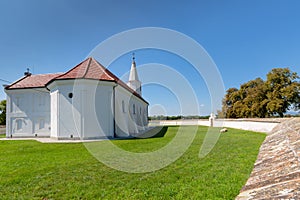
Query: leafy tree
3	112
253	95
231	97
258	98
282	91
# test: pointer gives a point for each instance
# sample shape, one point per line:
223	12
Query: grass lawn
32	170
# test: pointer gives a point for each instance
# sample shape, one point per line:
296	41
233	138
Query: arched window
133	107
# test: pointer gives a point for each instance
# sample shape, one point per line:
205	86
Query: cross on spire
133	57
27	73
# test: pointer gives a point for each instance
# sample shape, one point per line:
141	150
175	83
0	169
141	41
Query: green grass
32	170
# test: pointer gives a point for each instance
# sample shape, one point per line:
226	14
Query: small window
140	110
70	95
41	124
133	107
19	124
123	106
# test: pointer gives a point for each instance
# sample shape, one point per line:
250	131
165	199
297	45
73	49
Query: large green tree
3	112
282	91
231	97
253	96
259	98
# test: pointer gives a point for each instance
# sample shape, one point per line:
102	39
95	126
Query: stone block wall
276	173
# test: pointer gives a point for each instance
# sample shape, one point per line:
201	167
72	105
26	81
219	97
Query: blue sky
246	39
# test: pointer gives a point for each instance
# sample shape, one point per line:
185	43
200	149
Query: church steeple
134	82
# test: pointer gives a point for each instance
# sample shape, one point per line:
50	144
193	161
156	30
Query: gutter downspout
114	110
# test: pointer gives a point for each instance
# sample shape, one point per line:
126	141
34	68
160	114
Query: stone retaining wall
276	173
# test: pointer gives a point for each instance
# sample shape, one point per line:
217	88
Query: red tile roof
32	81
92	69
87	69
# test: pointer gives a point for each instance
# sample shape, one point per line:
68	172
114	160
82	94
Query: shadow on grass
156	132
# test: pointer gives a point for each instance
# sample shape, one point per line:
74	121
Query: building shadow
156	132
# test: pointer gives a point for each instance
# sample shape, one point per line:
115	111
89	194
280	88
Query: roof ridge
32	81
71	69
87	68
106	71
24	77
58	75
17	81
46	74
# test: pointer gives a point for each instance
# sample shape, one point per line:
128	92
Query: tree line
279	93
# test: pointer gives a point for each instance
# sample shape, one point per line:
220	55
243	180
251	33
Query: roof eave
24	88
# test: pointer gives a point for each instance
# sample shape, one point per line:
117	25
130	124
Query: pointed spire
133	72
134	82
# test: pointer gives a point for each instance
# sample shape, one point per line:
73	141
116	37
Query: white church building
87	102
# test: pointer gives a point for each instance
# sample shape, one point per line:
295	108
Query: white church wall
122	112
87	114
103	109
130	113
138	116
54	113
63	122
69	125
28	112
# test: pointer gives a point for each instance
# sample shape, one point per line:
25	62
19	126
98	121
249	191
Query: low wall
245	124
276	173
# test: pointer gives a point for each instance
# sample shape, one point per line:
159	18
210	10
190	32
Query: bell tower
134	82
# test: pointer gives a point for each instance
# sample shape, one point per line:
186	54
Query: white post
212	119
